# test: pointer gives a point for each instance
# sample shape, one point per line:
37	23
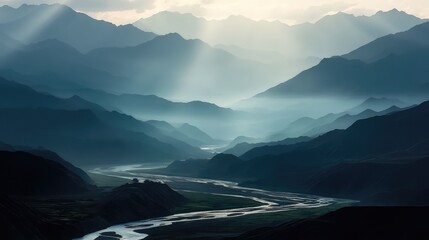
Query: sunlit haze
287	11
214	119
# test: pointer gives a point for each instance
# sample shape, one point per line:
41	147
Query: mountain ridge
95	33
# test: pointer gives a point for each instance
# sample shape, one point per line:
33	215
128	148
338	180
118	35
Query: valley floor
215	209
234	227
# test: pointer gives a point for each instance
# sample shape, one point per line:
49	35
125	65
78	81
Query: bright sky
288	11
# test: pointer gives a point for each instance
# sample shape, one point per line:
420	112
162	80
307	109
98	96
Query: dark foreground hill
49	155
43	200
24	174
377	182
352	223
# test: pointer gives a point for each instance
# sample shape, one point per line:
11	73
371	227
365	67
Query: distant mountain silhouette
289	49
398	135
331	35
347	120
33	23
82	137
414	39
365	138
377	104
270	57
387	148
149	106
175	138
55	64
196	133
15	95
241	139
344	78
169	130
307	126
393	74
209	76
206	116
302	125
242	148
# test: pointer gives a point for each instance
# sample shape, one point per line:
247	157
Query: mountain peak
169	39
168	16
58	6
376	100
7	7
335	17
392	13
394	10
171	36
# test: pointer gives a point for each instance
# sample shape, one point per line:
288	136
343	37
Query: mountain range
390	150
331	35
137	69
307	126
393	44
397	69
81	131
79	91
215	120
243	147
191	69
34	23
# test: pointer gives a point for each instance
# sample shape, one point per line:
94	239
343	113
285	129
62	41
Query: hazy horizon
289	12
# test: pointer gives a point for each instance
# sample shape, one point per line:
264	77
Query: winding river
270	202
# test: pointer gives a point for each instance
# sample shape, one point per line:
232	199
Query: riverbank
193	221
71	216
196	201
233	227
